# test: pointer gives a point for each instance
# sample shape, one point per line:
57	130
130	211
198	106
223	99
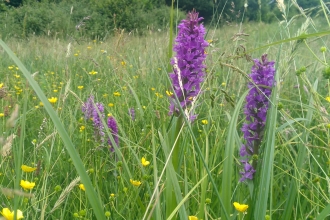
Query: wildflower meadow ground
226	122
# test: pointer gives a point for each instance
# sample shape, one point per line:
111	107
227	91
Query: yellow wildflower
240	207
28	169
153	89
10	67
123	63
327	98
192	217
110	104
80	87
223	84
1	85
205	122
135	182
8	215
2	115
76	54
52	100
116	93
159	95
27	185
145	162
89	47
169	93
92	72
82	187
112	195
81	128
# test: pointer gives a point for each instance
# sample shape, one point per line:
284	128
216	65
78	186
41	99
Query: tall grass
292	181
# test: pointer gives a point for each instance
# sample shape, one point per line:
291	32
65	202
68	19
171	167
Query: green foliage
105	18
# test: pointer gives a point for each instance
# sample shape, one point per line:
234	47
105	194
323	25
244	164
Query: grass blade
228	166
293	190
261	192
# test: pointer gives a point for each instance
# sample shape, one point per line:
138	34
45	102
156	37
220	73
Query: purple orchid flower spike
188	64
255	110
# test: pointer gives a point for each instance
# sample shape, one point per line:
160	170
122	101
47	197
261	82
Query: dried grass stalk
6	149
65	192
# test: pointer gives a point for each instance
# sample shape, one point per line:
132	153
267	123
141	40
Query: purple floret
188	68
255	110
88	108
90	112
112	125
131	113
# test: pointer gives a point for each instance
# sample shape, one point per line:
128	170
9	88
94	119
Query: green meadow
73	174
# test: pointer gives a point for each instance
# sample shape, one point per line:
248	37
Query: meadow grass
128	71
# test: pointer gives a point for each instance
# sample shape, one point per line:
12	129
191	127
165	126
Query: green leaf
228	166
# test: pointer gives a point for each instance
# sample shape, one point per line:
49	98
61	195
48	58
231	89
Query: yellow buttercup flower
1	85
240	207
28	169
82	187
80	87
8	215
116	93
27	185
135	182
192	217
2	115
169	93
92	72
52	100
159	95
145	162
205	122
327	98
110	104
